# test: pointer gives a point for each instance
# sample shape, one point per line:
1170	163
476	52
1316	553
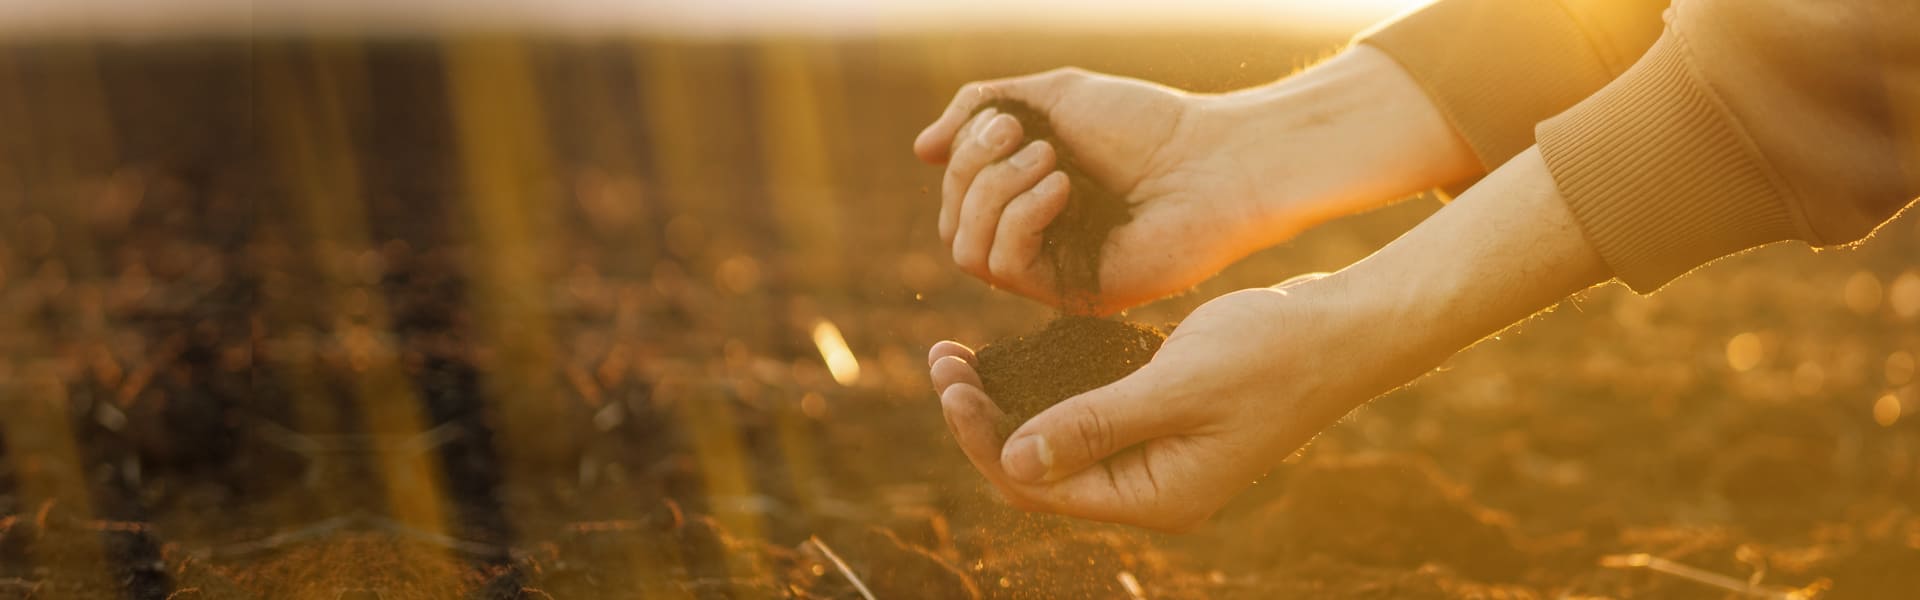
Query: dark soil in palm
1074	239
1026	374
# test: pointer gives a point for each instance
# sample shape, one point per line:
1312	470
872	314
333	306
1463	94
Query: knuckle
974	94
954	183
1003	265
1095	430
994	180
969	260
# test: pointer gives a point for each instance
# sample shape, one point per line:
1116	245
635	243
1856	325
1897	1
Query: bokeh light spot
1900	366
1862	293
813	405
739	274
1886	411
833	349
1744	352
1904	295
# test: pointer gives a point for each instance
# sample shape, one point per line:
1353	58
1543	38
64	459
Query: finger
1158	488
949	199
970	416
1077	433
950	370
1017	244
977	122
995	139
935	144
987	198
1128	491
949	348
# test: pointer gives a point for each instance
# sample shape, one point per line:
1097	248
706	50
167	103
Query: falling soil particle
1026	374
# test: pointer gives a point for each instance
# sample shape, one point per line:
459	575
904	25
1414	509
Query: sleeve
1495	68
1747	122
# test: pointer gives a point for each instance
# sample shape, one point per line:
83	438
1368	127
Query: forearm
1505	250
1348	135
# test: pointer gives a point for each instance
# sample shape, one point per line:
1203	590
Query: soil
1026	374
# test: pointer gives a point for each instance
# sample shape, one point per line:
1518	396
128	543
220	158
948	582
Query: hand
1252	375
1191	210
1233	391
1210	178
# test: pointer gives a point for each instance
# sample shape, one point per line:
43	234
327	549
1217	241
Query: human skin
1210	178
1251	376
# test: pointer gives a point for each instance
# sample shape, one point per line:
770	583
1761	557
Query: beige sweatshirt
1736	124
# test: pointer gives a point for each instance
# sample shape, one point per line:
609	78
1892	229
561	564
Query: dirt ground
495	318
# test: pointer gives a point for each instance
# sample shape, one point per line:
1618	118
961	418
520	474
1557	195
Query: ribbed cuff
1659	175
1494	67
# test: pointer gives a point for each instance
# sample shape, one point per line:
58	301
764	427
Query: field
497	317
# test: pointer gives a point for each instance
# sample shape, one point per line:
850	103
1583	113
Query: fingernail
1051	183
1028	459
999	133
1027	157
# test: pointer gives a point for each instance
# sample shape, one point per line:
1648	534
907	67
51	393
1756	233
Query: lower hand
1210	178
1237	387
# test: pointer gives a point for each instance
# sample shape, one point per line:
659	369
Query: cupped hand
1244	381
1194	211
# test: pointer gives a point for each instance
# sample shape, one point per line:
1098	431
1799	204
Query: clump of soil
1074	239
1026	374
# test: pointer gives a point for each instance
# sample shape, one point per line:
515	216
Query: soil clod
1026	374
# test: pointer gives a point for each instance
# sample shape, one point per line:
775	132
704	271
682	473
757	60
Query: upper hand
1193	211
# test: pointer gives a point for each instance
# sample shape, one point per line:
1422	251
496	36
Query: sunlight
712	18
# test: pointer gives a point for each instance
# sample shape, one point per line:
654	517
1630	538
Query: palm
1181	479
1168	445
1131	137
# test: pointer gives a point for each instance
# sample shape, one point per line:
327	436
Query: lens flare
833	349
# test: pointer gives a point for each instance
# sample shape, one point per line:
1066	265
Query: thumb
1085	429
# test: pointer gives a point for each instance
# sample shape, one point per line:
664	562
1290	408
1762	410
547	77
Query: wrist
1351	134
1357	345
1503	251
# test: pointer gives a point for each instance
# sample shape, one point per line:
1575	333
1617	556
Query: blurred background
587	299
